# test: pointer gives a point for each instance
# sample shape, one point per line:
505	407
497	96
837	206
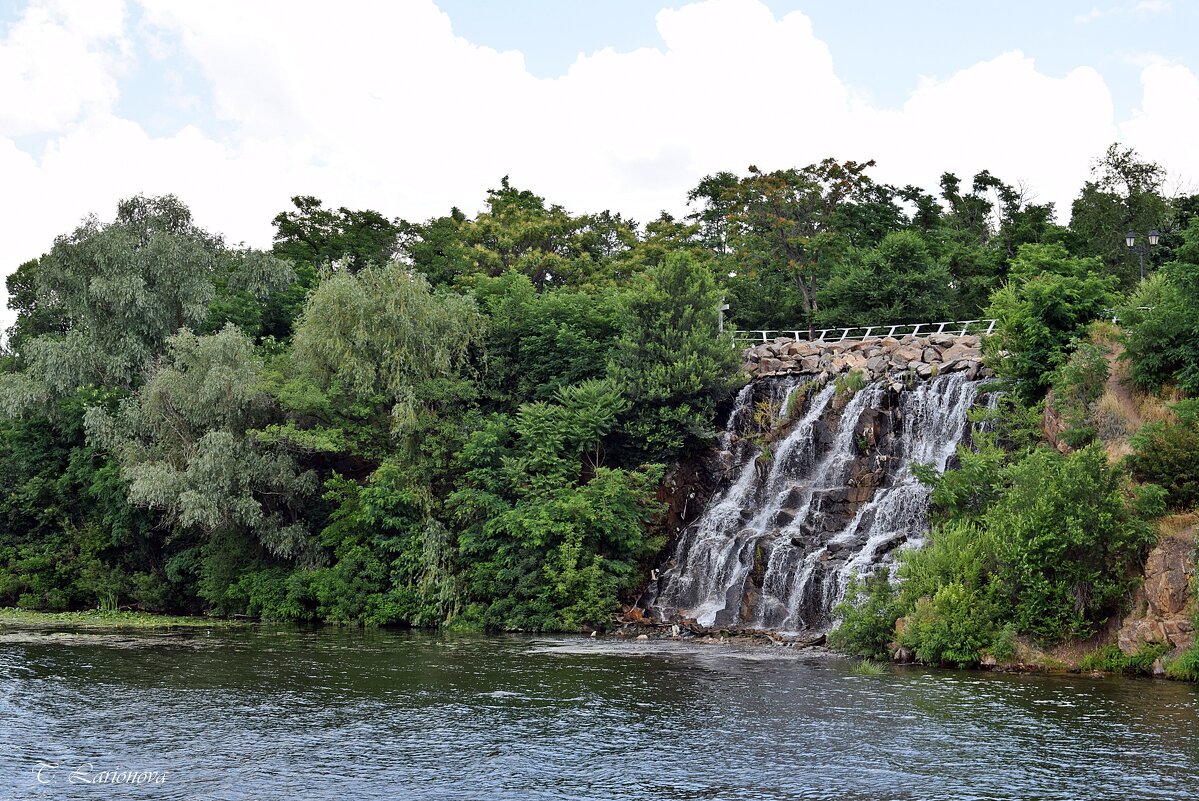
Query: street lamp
1130	239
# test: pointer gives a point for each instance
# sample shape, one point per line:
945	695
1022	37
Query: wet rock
783	517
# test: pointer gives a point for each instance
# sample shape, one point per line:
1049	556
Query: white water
777	550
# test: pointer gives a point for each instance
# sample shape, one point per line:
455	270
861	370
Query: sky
411	107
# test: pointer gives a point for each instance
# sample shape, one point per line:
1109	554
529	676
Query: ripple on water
374	715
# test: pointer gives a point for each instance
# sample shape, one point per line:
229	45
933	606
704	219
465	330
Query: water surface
281	714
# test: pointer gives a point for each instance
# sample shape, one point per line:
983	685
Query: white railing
954	328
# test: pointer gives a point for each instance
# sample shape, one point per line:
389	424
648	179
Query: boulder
961	352
770	365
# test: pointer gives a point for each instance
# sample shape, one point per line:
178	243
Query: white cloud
382	106
1153	7
1163	128
57	63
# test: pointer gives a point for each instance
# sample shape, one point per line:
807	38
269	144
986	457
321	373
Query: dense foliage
467	421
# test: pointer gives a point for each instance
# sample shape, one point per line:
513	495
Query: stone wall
904	358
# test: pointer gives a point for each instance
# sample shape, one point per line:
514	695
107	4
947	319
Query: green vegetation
1028	542
96	620
466	422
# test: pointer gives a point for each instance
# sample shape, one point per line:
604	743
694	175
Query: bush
951	627
1163	345
1049	301
1167	454
1077	386
1068	541
867	616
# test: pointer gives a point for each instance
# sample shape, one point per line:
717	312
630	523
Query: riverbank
97	620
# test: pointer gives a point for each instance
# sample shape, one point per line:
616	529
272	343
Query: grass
97	620
1110	659
869	667
1109	418
850	382
1156	408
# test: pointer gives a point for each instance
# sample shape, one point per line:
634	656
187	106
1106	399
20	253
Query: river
268	713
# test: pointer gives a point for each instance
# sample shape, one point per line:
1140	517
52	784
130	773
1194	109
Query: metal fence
954	328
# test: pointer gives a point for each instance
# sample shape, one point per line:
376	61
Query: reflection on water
276	713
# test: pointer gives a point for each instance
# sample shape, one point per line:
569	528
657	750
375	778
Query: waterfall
834	496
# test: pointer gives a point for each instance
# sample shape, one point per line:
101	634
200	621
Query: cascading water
834	496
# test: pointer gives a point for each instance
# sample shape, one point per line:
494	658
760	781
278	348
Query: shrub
1003	647
867	616
1167	454
951	627
1068	539
1077	386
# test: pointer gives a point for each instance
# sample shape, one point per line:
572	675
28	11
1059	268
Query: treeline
467	421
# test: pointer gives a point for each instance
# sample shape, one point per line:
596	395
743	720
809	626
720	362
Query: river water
281	714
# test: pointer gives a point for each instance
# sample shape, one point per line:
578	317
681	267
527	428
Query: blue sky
412	107
882	47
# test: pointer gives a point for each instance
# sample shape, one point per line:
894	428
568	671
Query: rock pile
908	357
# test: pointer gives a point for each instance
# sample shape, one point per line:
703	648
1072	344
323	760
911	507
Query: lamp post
1130	239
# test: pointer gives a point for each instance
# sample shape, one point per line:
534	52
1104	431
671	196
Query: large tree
1126	194
797	225
103	302
671	362
899	281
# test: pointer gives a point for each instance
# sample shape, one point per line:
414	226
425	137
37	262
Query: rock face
814	485
1163	607
908	358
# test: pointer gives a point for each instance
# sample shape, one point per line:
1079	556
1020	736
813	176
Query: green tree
186	445
671	362
519	232
120	291
1163	345
799	223
895	282
318	237
552	537
538	343
1125	195
382	331
1048	301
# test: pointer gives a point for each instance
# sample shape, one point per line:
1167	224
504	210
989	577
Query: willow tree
187	444
118	292
381	333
